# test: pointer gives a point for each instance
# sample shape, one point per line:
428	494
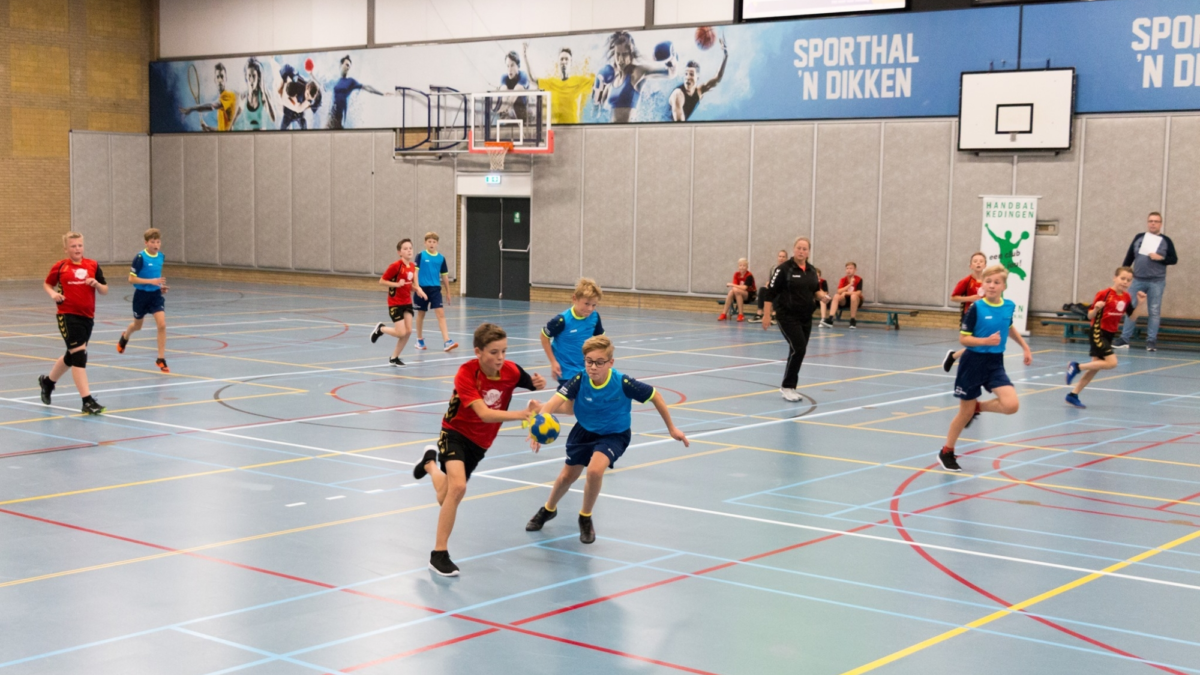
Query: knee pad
76	359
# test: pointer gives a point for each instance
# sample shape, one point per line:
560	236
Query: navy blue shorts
581	444
434	293
147	302
978	371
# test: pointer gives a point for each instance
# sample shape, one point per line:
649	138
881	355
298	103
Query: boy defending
399	278
1108	310
483	388
601	400
564	336
72	284
985	331
433	278
149	285
966	292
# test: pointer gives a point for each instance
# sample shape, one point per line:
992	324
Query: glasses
597	363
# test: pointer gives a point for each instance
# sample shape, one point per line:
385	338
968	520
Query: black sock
88	399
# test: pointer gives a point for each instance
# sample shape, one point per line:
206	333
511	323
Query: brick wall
64	64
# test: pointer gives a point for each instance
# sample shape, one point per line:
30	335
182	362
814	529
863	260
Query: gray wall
672	208
110	193
320	202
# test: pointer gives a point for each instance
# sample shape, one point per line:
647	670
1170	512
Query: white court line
295	504
329	499
171	327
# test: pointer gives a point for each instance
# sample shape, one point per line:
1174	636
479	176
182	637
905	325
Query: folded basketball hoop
496	151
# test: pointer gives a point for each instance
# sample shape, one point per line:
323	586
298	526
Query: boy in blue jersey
601	401
985	330
433	277
564	336
148	288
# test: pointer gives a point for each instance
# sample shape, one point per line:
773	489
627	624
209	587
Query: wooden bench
1172	332
890	320
1073	328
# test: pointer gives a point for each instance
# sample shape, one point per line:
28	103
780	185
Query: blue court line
876	610
271	656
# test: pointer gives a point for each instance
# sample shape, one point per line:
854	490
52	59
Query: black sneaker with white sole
47	387
853	324
91	407
539	519
376	333
430	455
948	362
440	562
395	361
949	461
587	533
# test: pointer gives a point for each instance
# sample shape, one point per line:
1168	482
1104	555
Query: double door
498	248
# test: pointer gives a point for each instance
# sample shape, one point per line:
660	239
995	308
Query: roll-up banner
1009	226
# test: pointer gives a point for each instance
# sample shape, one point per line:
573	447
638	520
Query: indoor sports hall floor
253	512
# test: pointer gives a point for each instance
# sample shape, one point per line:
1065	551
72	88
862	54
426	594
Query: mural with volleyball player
899	65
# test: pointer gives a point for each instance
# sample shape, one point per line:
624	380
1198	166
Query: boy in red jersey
399	278
483	388
966	292
1108	310
72	284
850	293
741	290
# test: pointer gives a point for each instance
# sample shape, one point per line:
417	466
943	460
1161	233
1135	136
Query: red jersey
855	284
401	272
969	285
1116	307
71	280
746	280
471	384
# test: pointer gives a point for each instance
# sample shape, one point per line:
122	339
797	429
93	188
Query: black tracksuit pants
796	331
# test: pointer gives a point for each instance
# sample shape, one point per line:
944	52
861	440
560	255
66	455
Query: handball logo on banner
1010	248
1180	33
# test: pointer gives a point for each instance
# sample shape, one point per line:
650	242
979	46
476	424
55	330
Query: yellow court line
1019	607
33	419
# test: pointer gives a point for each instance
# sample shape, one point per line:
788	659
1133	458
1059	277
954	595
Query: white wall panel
430	20
191	28
668	12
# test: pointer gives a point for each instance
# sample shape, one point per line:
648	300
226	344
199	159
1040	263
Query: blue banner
1128	56
898	65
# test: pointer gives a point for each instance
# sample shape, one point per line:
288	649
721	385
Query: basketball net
496	151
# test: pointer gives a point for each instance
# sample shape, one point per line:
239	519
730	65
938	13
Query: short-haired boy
601	401
1109	308
564	335
741	291
850	293
149	286
825	303
433	276
483	388
399	278
966	292
780	257
72	284
984	332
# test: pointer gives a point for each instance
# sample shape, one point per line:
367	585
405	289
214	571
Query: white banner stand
1009	228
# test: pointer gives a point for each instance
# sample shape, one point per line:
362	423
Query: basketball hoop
496	151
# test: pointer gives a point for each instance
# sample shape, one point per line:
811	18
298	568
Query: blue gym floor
254	512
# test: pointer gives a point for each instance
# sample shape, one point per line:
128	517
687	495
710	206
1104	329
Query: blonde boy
601	401
985	331
149	286
433	276
564	336
72	284
741	290
1108	310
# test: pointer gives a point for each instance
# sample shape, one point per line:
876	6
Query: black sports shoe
376	333
162	365
539	519
419	471
978	409
587	533
853	323
948	362
91	407
440	562
949	461
122	342
395	361
47	386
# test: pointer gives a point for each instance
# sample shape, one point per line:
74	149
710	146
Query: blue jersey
146	266
341	97
605	409
984	319
567	333
430	268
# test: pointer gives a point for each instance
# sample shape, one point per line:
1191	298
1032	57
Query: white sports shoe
790	395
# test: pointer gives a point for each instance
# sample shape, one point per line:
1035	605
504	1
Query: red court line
1112	502
418	650
1068	508
1185	499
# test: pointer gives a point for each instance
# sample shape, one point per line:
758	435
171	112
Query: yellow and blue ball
544	429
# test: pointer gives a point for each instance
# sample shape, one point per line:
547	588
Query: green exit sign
492	179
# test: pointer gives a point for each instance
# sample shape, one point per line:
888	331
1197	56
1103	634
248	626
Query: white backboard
1016	110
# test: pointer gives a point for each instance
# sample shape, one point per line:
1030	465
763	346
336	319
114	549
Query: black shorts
582	444
978	371
147	302
397	312
453	445
1101	343
75	330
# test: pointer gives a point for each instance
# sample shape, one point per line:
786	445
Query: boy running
72	284
985	332
149	285
399	277
601	401
1108	310
433	278
483	388
966	292
564	336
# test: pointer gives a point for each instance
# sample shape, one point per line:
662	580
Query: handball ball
663	51
706	37
544	429
308	64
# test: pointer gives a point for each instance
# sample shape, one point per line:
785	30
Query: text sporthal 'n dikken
859	50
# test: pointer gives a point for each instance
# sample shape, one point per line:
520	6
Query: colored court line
1020	606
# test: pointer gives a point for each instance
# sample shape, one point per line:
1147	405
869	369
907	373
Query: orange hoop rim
509	146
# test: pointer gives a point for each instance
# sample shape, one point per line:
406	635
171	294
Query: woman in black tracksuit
793	292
